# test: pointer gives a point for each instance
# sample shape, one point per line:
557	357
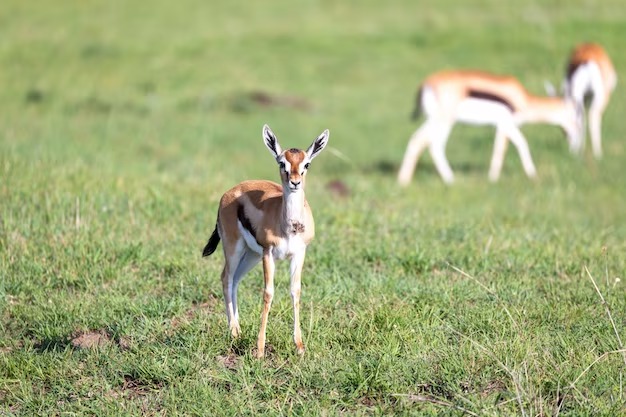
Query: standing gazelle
265	220
591	72
480	98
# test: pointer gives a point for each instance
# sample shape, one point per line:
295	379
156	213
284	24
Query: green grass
122	123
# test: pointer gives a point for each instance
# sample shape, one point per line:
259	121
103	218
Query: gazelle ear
318	144
550	88
271	141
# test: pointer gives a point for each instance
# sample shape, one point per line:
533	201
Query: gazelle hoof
235	332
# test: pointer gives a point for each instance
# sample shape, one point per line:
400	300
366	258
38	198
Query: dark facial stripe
245	222
491	97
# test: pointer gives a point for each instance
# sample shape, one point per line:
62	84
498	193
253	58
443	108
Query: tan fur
454	85
266	197
586	52
590	73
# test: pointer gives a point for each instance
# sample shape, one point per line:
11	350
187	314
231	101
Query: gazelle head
574	124
293	163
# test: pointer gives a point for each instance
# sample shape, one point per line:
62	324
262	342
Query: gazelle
591	72
265	220
481	98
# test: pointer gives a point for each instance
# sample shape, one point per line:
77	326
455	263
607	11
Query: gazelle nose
295	183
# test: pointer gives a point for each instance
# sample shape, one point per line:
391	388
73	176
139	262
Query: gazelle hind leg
246	263
417	144
233	256
497	159
599	102
595	123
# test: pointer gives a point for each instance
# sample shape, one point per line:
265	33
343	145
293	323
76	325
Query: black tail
418	105
211	245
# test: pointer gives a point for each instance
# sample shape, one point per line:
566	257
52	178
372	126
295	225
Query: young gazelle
265	220
590	72
480	98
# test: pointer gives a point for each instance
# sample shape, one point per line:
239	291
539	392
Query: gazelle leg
247	262
230	310
497	159
233	258
518	139
438	152
297	261
595	122
268	295
417	143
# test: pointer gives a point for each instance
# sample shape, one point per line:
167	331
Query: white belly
288	247
481	112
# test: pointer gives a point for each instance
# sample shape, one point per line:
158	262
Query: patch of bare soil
338	188
90	340
230	361
192	312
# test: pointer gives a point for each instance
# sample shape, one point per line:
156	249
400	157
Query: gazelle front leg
519	141
268	295
297	261
437	147
497	159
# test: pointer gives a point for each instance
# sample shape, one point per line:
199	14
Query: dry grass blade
608	313
491	292
598	359
518	388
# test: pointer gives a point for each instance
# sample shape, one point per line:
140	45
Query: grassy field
122	123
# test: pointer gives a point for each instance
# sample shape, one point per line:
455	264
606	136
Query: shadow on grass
53	344
425	169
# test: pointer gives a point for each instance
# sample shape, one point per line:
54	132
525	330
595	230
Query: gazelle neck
293	211
543	110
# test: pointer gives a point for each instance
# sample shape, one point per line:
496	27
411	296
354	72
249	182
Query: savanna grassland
123	122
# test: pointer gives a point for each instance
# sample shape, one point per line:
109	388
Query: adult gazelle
480	98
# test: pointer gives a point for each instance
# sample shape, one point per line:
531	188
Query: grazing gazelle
481	98
265	220
590	72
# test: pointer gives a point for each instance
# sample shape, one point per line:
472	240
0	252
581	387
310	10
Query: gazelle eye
282	166
306	166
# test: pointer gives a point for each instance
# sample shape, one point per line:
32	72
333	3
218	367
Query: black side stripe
491	97
245	222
